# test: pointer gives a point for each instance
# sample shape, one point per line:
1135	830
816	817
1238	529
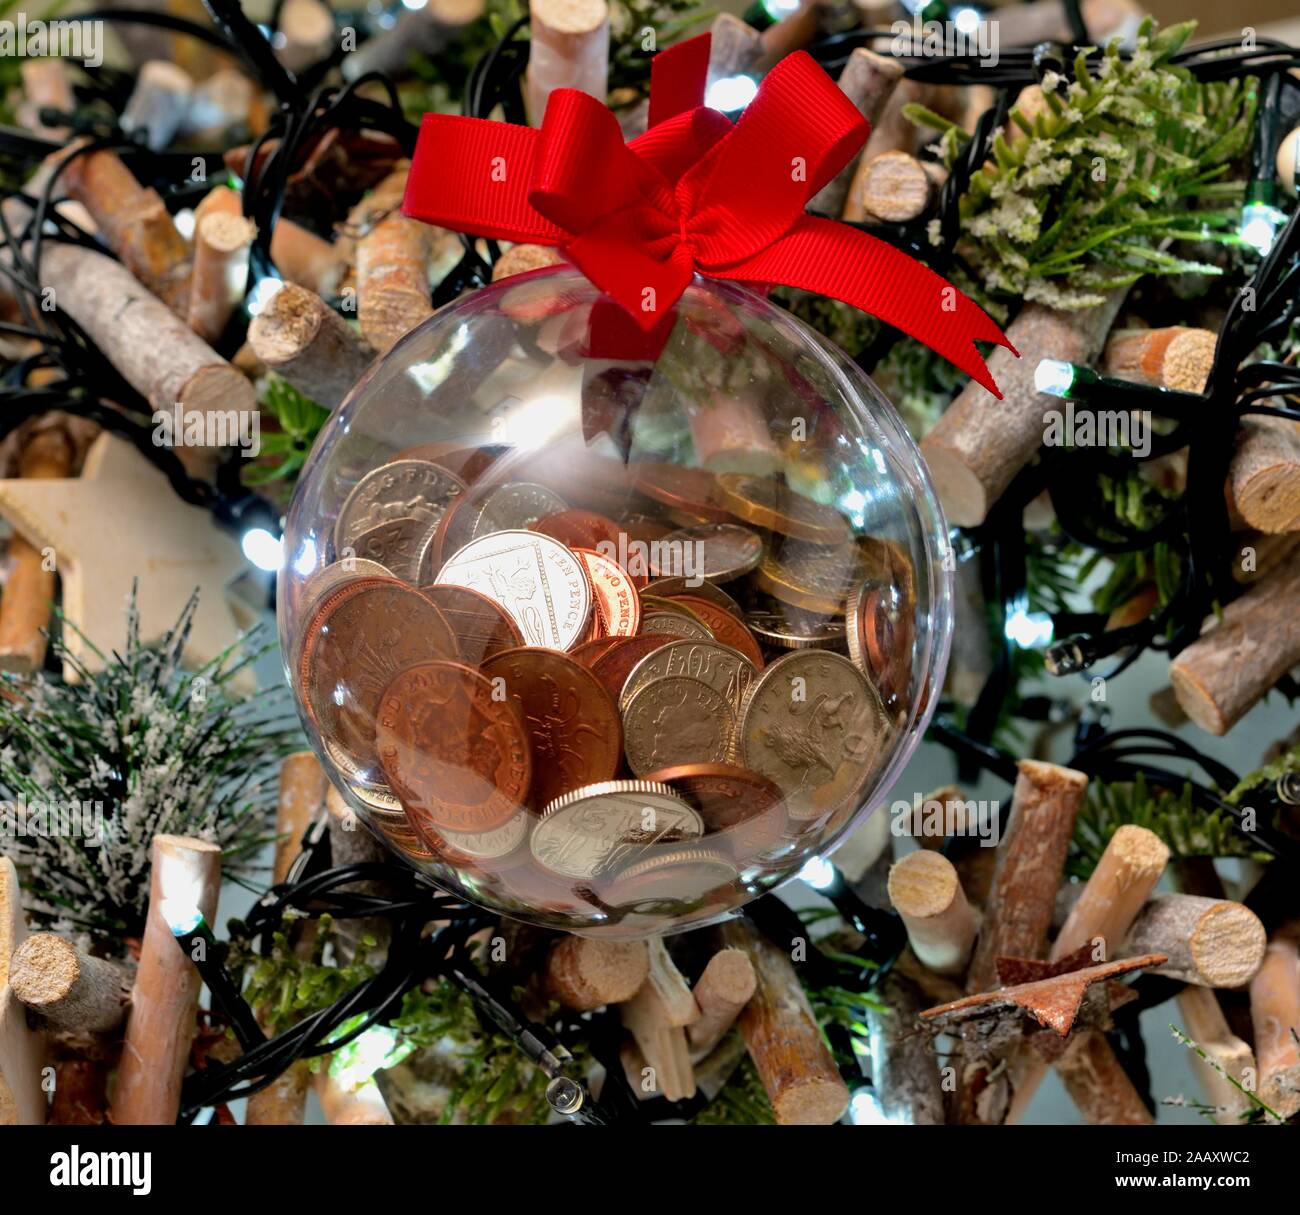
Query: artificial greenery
1118	161
1284	765
742	1101
1256	1111
142	746
1186	829
639	28
285	450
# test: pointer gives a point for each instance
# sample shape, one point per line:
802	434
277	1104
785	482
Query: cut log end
570	16
923	884
583	974
1139	848
1227	945
965	500
44	970
818	1102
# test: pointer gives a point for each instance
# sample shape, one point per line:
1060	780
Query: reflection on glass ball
608	638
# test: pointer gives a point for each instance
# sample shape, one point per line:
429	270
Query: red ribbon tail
832	259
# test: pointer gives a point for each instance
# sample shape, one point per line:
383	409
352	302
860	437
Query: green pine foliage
1126	156
155	748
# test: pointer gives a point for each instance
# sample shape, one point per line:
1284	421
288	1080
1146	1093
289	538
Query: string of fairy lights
1203	423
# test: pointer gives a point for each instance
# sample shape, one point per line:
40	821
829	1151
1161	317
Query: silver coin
515	507
725	670
682	874
489	845
401	489
539	582
396	544
675	624
814	726
604	826
789	628
677	720
716	551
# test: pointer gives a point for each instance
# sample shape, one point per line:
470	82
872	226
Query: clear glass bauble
613	644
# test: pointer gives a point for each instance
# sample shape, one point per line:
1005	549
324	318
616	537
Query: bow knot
694	195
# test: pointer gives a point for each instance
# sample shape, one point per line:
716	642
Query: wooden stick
1264	476
867	80
519	259
904	1071
68	987
926	892
220	103
1172	357
585	973
304	258
723	989
360	1106
978	445
28	594
791	33
1234	664
307	27
1269	552
45	87
784	1039
392	279
1275	1016
895	187
568	48
1127	872
426	31
299	336
302	797
1035	840
893	131
661	1043
156	353
672	989
161	1024
158	103
136	226
734	48
1098	1085
22	1050
221	249
353	843
1204	1022
1210	942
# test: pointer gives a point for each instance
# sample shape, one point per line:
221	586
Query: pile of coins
624	690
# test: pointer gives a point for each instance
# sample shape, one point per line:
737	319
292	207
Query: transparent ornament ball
614	636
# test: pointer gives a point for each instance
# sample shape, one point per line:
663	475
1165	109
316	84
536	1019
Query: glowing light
184	221
414	5
966	20
1054	377
819	873
779	9
305	562
354	1064
1029	630
731	93
262	294
1259	226
262	548
181	916
864	1109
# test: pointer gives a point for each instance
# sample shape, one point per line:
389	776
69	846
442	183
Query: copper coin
572	724
671	588
880	639
778	508
451	534
482	626
677	720
578	528
613	667
719	552
690	490
725	628
742	805
457	756
587	653
359	638
617	605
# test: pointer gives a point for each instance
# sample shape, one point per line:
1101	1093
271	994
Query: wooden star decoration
120	522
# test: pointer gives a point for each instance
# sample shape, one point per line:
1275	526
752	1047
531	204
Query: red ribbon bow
694	194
